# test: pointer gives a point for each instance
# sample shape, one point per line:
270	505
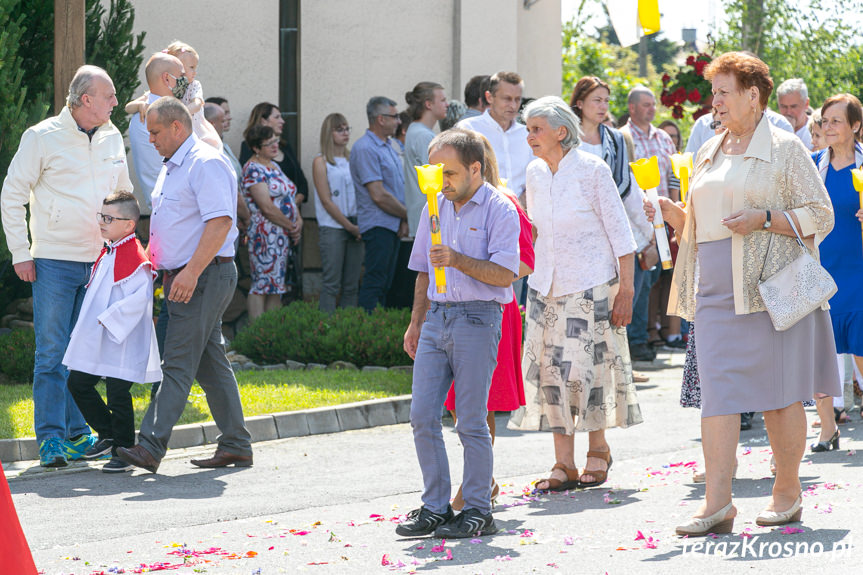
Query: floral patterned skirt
577	371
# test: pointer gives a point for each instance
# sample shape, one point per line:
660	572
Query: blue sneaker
78	448
51	453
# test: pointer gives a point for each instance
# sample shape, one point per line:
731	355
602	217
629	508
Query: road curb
332	419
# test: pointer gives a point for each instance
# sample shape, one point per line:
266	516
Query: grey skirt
744	364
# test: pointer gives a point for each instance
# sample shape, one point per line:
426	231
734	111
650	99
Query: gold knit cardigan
781	177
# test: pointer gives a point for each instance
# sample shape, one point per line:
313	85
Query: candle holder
857	179
681	164
646	172
430	179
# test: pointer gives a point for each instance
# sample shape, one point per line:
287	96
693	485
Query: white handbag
796	290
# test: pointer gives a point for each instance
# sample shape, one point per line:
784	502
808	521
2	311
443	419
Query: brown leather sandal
599	477
558	485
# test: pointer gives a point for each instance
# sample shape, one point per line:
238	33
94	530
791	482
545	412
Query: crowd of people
538	205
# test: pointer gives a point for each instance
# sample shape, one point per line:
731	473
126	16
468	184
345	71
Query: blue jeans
457	344
382	251
57	296
636	331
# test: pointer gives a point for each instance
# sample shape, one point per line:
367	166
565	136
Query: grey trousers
458	342
342	264
194	349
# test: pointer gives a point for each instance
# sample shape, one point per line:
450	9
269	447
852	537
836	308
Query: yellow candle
648	16
646	172
682	166
430	179
857	178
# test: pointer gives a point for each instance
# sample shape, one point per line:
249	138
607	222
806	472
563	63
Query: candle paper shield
430	179
646	172
857	178
682	166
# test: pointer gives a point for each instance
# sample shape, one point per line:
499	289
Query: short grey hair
791	86
377	106
81	84
169	109
557	113
636	93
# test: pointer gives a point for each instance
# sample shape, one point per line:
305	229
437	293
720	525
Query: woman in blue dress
842	250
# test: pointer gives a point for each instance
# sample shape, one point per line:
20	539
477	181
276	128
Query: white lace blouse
582	227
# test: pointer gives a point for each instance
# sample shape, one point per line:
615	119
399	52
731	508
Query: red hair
747	70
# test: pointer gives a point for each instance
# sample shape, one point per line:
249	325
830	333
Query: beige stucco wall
216	29
351	50
539	49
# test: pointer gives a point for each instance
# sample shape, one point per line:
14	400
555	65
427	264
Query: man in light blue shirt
192	241
376	170
162	71
453	336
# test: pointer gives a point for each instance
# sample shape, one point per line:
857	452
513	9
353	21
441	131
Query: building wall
351	50
237	61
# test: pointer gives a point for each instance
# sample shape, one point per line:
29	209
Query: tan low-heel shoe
772	518
701	526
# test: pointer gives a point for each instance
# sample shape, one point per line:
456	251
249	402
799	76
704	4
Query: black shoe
468	523
117	465
676	344
102	447
421	522
641	352
746	421
823	446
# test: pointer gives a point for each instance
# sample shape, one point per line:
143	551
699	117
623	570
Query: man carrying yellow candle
453	336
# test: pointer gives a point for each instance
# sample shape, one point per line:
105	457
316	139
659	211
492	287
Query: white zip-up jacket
64	177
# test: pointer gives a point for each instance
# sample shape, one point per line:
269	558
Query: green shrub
301	332
18	354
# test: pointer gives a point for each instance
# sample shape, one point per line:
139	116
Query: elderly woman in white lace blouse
577	371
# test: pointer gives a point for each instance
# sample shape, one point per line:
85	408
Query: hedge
18	355
301	332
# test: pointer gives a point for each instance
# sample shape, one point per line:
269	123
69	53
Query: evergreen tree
111	45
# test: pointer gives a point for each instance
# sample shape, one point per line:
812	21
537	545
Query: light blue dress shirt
485	228
196	184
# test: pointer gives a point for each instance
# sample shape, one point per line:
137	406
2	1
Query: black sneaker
746	421
102	447
468	523
117	465
422	522
676	343
641	352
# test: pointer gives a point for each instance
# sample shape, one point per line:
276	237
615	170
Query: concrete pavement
326	504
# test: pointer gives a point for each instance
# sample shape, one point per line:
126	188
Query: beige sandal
458	501
558	485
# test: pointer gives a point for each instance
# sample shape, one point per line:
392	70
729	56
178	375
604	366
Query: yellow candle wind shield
430	179
857	178
648	16
646	173
682	166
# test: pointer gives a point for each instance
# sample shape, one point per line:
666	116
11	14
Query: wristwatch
767	221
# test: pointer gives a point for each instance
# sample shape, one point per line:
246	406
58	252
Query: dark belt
216	261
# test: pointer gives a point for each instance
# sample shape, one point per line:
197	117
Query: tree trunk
68	46
753	25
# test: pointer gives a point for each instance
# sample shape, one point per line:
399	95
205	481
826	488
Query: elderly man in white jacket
64	167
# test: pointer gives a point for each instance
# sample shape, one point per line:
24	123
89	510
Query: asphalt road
326	504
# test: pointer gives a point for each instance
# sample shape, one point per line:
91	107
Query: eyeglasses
395	116
106	219
273	142
345	129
